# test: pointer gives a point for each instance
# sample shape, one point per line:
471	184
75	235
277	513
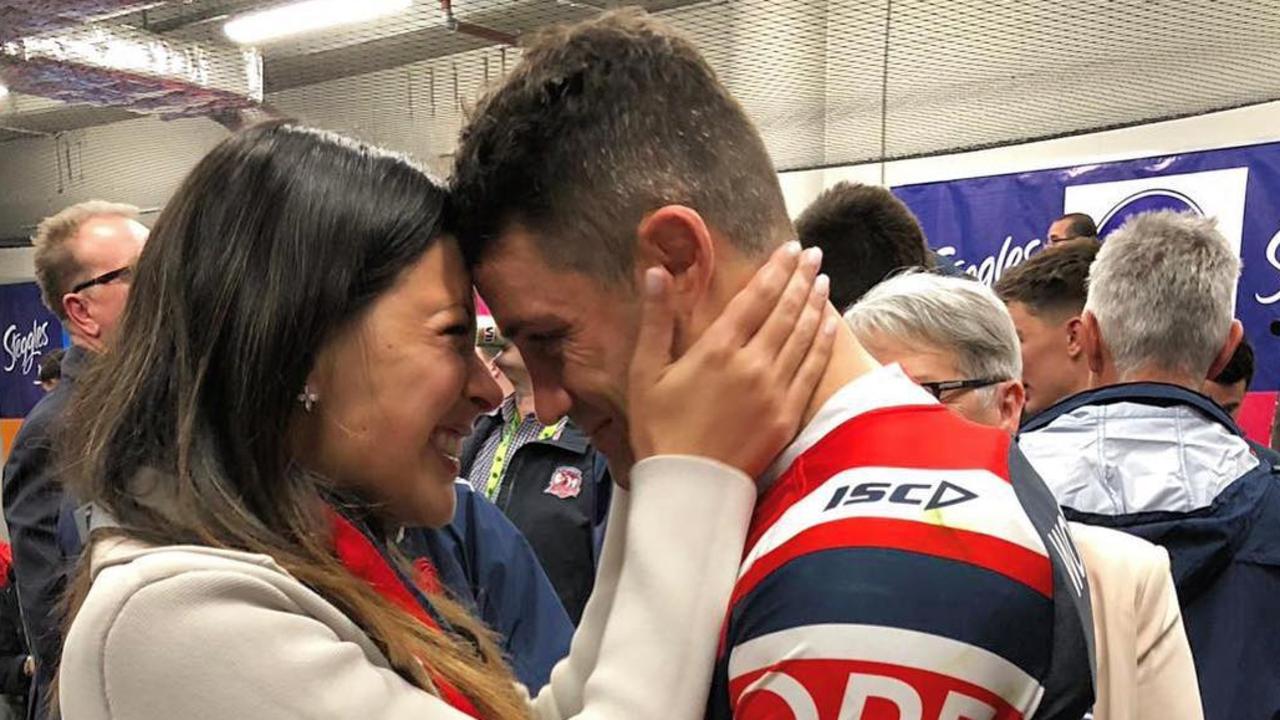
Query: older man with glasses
956	339
84	261
952	336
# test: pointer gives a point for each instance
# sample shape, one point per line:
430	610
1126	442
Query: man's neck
524	403
849	361
89	344
1147	375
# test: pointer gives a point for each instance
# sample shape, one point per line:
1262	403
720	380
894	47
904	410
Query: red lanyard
358	554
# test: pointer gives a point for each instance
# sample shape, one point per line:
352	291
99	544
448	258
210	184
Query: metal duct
133	69
29	17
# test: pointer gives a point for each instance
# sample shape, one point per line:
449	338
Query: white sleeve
681	546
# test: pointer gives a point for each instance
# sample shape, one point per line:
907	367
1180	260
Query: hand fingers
773	335
806	379
657	326
749	309
797	346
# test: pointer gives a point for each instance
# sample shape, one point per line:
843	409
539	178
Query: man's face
104	244
1048	372
576	334
924	364
1060	231
1230	397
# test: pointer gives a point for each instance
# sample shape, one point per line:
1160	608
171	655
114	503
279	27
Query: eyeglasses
937	388
123	273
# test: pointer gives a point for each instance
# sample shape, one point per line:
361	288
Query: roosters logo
566	482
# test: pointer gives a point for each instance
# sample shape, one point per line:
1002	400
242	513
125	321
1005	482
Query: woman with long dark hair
292	381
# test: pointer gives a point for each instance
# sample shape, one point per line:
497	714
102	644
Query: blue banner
987	225
29	331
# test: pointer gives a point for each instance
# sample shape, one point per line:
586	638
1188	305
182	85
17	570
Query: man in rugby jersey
902	563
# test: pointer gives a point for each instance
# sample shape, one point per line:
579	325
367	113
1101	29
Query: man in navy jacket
84	260
1146	453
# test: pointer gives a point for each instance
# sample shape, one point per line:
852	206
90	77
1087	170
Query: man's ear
1091	337
1075	337
1234	335
1012	399
676	238
79	317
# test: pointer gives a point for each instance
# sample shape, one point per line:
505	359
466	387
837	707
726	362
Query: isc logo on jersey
974	500
907	679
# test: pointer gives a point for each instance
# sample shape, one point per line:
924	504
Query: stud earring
308	398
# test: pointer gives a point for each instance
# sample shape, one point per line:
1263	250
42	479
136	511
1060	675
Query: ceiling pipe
30	17
453	24
119	66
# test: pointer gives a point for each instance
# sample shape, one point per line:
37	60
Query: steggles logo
24	348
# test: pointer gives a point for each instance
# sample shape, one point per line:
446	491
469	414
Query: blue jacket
33	506
488	565
1168	465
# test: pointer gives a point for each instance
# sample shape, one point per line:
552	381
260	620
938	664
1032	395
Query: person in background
1045	296
50	370
250	448
1230	386
943	333
611	163
489	342
866	234
949	328
547	478
84	258
1072	226
16	664
1146	453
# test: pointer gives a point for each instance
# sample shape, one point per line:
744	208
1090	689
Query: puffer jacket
1168	465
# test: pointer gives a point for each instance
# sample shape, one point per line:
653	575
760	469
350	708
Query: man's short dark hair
866	234
1079	225
1054	281
599	124
1240	367
51	366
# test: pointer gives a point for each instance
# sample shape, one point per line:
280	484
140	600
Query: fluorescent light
301	17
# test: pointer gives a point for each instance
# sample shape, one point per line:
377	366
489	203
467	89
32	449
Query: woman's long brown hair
277	238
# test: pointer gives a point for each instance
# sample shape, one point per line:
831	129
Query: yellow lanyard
504	446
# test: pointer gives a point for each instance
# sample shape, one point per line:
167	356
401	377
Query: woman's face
398	390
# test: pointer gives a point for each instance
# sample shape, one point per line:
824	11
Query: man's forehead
523	290
518	302
108	238
920	360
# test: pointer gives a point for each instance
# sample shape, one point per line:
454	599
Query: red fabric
364	561
1256	414
6	561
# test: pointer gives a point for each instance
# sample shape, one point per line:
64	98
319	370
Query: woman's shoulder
130	578
175	590
162	561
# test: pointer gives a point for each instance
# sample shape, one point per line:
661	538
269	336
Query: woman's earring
308	398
